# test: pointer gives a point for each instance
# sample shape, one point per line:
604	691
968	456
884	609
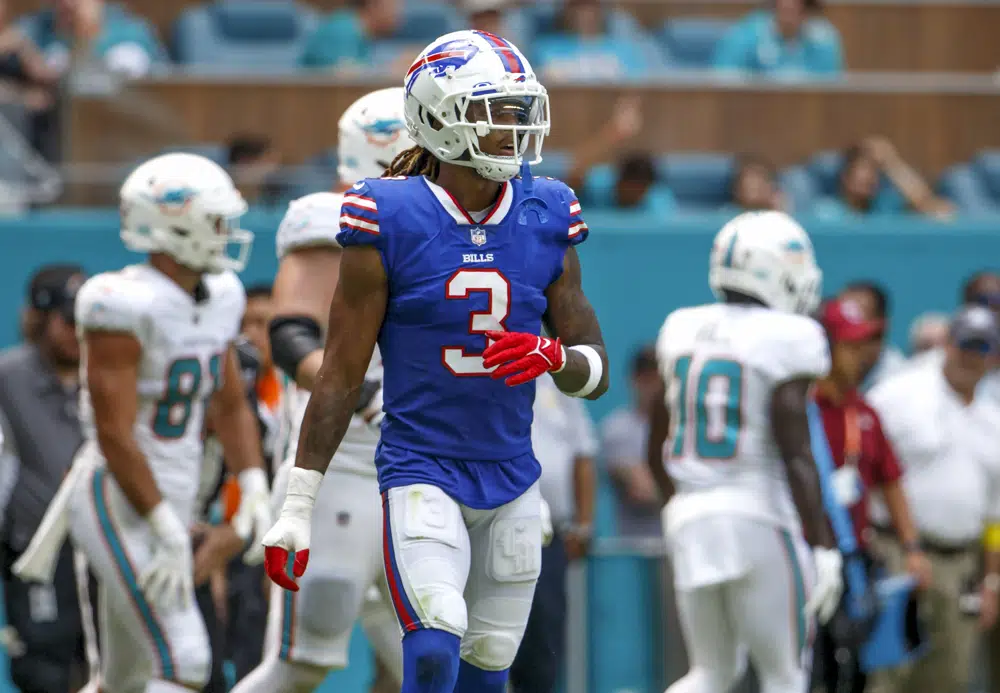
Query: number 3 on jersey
715	410
461	285
183	384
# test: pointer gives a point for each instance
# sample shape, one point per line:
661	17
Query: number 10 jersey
722	363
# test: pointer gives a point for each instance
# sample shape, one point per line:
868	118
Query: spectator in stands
947	440
85	30
865	462
880	360
983	289
928	332
792	37
860	178
255	165
39	386
623	436
488	16
583	47
563	439
345	40
268	383
754	186
636	185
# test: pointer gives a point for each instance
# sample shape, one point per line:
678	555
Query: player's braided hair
415	161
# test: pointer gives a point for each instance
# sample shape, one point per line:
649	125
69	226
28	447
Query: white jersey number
709	408
459	286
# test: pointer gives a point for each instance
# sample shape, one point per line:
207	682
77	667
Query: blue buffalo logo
442	60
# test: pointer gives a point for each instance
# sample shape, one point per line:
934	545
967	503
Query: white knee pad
330	604
193	661
704	681
494	651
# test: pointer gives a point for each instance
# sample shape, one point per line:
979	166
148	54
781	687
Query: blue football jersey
451	279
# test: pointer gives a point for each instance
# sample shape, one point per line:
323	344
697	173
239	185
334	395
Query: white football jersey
721	364
184	343
303	228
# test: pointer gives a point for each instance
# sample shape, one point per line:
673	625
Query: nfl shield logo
478	236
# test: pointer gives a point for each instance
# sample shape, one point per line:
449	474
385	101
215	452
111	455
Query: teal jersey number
173	410
717	414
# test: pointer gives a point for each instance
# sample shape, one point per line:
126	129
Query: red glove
523	356
276	566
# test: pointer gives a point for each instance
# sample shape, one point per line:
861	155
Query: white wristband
252	480
596	369
164	522
303	486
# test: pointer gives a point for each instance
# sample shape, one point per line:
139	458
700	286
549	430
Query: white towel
38	562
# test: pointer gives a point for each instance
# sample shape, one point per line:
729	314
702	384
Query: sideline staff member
948	441
39	381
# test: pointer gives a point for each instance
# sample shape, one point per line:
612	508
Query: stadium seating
824	168
231	34
974	186
689	42
698	180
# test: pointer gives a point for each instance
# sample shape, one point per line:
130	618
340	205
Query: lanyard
852	437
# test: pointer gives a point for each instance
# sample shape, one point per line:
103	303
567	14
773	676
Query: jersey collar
495	216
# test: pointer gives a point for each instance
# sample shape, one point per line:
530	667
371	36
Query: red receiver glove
522	356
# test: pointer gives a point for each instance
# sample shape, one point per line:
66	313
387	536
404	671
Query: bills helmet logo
442	60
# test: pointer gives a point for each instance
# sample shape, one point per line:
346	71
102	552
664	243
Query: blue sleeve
359	219
733	50
577	230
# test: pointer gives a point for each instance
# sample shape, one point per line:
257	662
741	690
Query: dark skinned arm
572	319
112	363
659	430
235	424
790	427
356	314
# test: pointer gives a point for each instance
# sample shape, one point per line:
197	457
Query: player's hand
289	538
521	357
168	580
829	584
545	514
253	518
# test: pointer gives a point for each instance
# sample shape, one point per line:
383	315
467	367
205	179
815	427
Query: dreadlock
415	161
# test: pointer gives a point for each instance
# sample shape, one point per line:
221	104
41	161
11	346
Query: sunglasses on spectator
979	346
988	300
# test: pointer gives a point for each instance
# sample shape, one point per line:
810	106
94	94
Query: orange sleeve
230	496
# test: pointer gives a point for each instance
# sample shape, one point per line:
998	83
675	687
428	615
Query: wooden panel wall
877	35
932	129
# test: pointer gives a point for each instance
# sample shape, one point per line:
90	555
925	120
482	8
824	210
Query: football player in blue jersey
451	265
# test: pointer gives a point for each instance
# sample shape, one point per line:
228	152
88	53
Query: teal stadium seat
237	35
974	187
689	42
700	181
799	187
317	174
420	22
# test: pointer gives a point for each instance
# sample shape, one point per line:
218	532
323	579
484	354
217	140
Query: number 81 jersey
722	363
183	342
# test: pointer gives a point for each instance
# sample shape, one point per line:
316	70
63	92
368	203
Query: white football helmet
768	256
372	133
467	83
185	206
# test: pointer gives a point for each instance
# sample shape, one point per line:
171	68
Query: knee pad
444	607
430	661
193	661
494	651
330	605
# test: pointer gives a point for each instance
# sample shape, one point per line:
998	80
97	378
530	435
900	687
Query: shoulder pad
112	302
313	220
359	214
799	348
566	198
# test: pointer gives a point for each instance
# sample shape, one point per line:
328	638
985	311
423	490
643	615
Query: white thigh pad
707	551
515	553
429	514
